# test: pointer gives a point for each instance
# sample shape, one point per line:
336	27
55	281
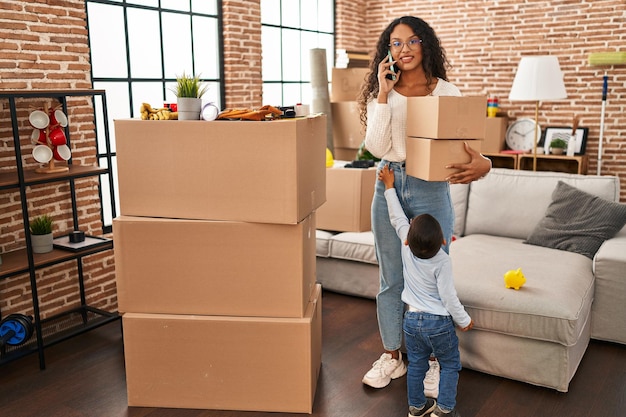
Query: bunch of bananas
150	113
266	112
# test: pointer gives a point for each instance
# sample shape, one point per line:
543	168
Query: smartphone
392	68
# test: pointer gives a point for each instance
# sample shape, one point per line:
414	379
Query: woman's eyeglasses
412	44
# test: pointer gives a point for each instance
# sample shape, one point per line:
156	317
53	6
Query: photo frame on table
564	132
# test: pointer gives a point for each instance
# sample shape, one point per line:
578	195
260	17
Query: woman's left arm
474	170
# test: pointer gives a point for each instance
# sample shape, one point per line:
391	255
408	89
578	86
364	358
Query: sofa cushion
458	194
322	243
577	221
354	247
510	202
554	303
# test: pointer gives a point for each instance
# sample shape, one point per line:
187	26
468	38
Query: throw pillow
577	221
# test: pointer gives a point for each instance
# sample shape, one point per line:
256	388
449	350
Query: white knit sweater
385	136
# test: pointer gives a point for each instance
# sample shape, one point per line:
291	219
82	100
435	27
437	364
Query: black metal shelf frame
90	317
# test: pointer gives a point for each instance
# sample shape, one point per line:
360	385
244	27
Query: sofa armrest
610	260
608	309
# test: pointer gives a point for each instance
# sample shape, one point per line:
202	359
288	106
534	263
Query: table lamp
538	78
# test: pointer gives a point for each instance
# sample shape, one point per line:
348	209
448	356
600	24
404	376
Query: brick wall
484	41
44	45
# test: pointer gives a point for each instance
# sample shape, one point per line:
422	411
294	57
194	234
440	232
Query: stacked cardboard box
349	193
437	128
348	132
215	262
495	132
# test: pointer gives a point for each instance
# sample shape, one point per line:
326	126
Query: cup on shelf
57	136
62	153
39	119
57	117
38	136
42	153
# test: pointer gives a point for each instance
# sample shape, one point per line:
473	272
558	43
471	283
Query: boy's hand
469	326
386	176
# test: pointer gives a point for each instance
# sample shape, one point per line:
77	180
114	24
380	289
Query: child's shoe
440	413
425	410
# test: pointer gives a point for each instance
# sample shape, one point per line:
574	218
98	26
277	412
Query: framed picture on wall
564	132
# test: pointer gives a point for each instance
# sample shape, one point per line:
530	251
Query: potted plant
41	234
189	94
558	146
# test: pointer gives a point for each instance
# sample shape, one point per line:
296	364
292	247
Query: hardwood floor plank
85	378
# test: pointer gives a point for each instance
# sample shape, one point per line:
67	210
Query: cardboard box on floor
444	117
427	158
495	133
348	132
214	267
224	363
349	193
266	172
346	83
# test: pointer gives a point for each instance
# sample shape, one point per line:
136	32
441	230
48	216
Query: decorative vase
189	108
556	151
42	243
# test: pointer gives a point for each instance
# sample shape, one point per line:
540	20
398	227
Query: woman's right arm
378	132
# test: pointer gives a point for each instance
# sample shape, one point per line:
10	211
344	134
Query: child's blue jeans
425	334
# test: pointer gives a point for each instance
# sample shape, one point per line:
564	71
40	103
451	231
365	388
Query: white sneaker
431	380
384	370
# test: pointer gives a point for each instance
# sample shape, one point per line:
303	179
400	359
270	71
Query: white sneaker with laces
431	380
384	370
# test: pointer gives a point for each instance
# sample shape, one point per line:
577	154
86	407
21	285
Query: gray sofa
537	334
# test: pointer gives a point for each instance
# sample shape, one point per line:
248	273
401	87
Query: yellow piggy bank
514	279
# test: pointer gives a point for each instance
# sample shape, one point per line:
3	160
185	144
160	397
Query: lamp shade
538	78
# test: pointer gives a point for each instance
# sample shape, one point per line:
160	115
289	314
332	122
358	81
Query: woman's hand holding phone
387	77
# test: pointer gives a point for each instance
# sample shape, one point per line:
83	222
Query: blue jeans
425	334
416	197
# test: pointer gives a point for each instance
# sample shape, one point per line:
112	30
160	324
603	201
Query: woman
420	65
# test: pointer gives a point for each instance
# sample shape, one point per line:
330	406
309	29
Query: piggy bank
514	279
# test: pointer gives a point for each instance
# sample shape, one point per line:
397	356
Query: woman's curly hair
434	59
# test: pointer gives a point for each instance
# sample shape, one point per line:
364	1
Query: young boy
433	307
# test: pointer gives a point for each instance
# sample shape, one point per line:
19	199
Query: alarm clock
521	134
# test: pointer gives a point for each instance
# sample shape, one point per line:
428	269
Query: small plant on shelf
41	225
558	143
189	86
558	146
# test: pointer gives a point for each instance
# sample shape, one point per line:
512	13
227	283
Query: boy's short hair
425	236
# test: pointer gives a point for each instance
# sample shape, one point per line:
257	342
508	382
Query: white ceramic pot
42	243
189	108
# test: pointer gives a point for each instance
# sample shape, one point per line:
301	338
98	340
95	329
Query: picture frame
564	132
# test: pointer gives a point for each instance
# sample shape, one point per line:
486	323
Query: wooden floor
85	377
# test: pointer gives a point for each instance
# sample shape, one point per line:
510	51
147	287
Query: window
290	29
138	47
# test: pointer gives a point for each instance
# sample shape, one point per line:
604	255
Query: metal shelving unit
83	318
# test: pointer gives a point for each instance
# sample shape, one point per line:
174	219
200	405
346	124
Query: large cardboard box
267	172
346	83
349	193
444	117
348	132
427	158
214	267
344	154
495	133
225	363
